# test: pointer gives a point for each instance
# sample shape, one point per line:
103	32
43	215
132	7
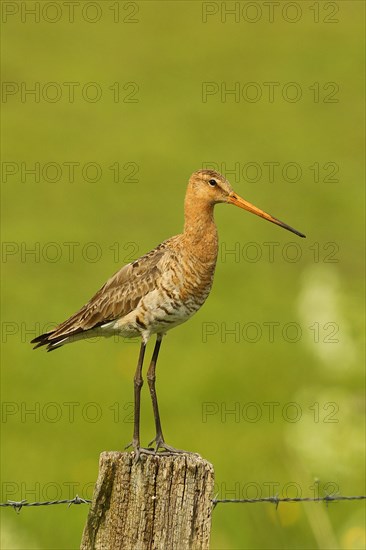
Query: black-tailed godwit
160	290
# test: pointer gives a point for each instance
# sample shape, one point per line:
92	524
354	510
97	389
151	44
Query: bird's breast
197	281
184	283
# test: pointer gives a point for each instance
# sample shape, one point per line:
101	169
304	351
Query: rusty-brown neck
200	232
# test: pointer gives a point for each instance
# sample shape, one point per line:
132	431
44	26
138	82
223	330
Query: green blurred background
314	440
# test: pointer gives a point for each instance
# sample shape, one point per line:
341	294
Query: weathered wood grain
160	503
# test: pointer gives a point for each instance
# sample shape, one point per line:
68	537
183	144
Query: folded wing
118	296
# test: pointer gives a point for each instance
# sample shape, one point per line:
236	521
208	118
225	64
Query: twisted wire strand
18	505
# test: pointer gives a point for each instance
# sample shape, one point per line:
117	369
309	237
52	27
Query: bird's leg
151	381
159	438
138	382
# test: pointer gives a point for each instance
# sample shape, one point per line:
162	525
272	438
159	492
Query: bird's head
211	187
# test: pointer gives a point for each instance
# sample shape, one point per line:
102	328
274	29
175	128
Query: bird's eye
212	182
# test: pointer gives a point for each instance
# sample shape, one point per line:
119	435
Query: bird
159	291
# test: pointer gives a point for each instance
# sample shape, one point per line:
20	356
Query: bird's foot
139	450
167	449
159	442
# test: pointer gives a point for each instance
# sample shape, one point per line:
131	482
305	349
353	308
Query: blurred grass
169	133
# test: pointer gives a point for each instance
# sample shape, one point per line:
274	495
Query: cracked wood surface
161	503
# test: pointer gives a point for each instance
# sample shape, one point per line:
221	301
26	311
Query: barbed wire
18	505
276	499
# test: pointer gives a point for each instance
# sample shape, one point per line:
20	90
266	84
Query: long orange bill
238	201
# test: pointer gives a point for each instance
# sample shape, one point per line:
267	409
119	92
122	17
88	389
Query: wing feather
115	299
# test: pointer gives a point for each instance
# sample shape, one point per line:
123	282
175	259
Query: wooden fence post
160	503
